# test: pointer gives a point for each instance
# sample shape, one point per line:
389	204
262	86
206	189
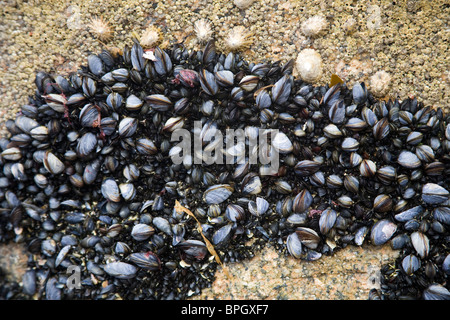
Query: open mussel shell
127	191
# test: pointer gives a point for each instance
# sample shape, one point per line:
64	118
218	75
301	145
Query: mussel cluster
88	185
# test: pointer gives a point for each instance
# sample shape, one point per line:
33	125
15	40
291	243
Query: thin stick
180	208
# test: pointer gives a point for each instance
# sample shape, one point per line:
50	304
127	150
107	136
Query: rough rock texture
347	275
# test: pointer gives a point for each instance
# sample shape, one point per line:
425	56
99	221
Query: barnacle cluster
88	182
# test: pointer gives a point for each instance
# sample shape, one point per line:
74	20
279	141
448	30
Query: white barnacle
380	83
314	26
100	28
203	30
151	37
238	38
309	65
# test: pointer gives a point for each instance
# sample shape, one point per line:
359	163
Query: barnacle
238	38
100	29
380	83
151	37
203	30
309	65
314	26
